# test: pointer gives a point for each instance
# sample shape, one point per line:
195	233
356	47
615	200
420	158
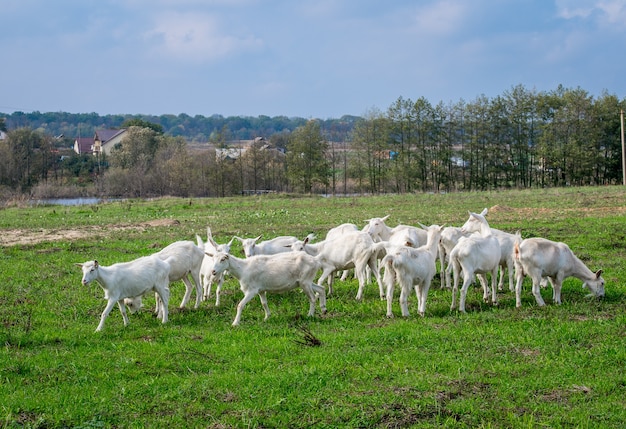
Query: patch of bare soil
13	237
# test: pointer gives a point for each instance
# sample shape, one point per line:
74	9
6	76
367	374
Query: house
105	140
83	145
3	135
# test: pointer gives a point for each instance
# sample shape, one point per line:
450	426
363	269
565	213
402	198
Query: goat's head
596	286
248	245
221	261
134	304
90	271
376	225
475	222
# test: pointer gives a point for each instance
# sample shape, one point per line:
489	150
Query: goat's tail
389	277
518	240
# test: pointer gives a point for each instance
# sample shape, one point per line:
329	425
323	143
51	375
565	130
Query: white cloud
441	18
196	37
606	11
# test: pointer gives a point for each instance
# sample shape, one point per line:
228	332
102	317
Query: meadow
494	367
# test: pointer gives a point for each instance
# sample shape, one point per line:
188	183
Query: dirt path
13	237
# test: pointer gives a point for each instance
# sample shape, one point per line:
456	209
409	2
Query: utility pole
623	148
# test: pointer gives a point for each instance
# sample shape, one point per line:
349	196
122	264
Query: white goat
450	236
206	270
272	273
338	231
269	247
127	280
476	254
507	241
185	260
412	267
538	257
351	250
381	232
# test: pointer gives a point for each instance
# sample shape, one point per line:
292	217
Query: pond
71	201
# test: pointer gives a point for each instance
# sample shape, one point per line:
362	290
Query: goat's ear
386	217
208	254
306	240
422	225
256	239
598	274
95	264
484	212
231	241
78	264
238	238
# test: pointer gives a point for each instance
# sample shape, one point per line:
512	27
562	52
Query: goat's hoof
389	316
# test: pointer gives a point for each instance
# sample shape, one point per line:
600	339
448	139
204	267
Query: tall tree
307	165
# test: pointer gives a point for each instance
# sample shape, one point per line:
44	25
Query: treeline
520	139
195	129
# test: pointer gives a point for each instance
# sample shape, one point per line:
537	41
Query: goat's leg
163	292
557	284
122	308
195	277
110	304
501	280
266	308
248	295
424	295
405	291
372	266
389	279
322	296
188	290
455	287
494	294
483	281
308	291
467	281
537	290
218	289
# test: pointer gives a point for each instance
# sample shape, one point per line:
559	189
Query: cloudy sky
306	58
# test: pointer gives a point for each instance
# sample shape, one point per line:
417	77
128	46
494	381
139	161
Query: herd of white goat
406	254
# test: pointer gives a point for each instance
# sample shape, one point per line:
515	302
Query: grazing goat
272	273
506	240
476	254
538	257
351	250
206	270
127	280
269	247
412	267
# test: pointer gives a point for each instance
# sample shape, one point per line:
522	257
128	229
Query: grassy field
494	367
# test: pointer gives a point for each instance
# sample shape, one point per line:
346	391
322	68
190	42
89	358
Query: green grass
557	366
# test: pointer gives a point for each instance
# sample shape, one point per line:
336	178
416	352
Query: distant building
105	140
83	145
3	135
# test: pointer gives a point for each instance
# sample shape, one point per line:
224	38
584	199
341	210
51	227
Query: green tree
372	158
307	165
136	122
25	158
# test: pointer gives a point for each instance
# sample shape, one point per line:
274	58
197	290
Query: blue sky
306	58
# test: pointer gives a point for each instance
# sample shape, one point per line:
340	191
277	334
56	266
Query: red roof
84	144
